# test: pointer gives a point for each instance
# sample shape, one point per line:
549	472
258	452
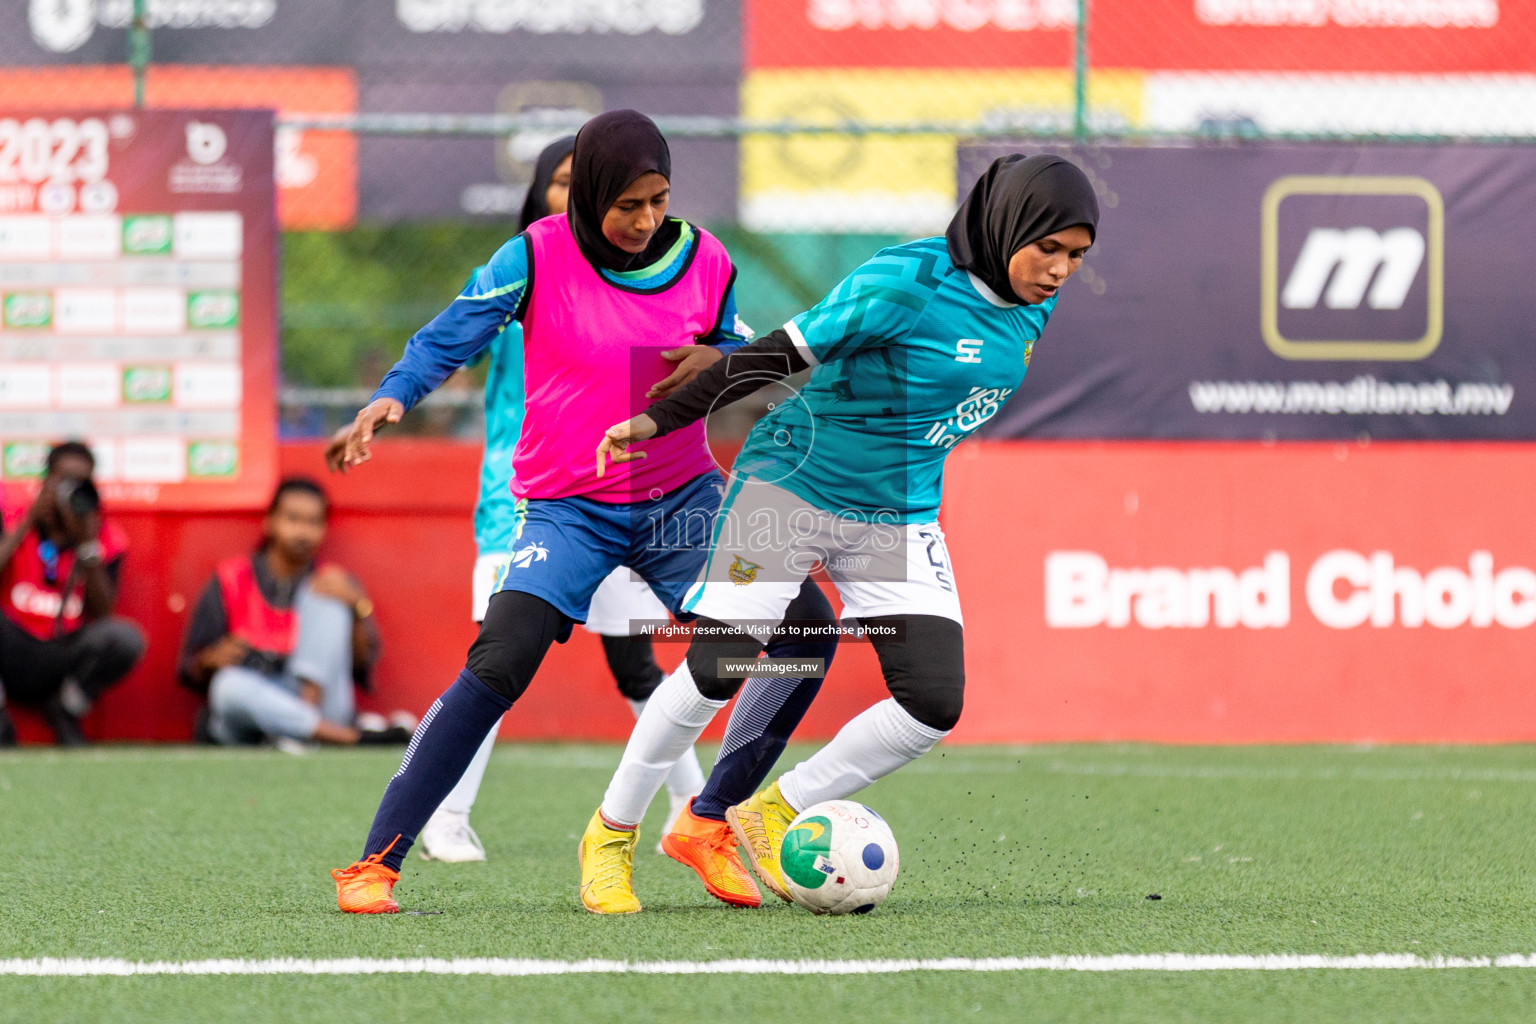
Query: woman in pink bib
620	305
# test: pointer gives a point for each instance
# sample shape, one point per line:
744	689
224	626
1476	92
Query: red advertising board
138	301
1423	37
1245	593
898	33
1182	593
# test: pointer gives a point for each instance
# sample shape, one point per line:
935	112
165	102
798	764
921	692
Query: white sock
874	744
669	725
462	797
686	778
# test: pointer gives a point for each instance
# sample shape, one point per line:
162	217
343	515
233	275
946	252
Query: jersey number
968	350
938	558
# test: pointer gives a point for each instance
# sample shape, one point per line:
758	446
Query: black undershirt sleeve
208	624
768	359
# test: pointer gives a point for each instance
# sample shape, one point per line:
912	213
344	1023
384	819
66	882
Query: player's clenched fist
349	445
620	436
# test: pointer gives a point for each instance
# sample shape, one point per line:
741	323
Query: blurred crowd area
806	133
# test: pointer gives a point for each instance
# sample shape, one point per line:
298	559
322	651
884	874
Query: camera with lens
79	496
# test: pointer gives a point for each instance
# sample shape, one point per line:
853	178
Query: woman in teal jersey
909	355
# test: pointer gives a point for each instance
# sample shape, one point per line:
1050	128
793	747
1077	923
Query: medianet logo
64	25
1366	267
1344	590
1359	254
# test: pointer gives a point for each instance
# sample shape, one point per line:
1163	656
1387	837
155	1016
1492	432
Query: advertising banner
1275	292
316	170
1190	593
656	41
137	301
1408	36
661	40
1243	593
904	33
668	57
453	176
195	32
1415	37
1413	67
572	60
836	182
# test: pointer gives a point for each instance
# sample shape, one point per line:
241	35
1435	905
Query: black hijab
536	205
612	151
1017	201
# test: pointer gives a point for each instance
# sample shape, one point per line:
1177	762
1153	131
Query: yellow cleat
759	824
607	858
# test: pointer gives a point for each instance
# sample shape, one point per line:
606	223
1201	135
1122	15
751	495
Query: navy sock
761	724
444	744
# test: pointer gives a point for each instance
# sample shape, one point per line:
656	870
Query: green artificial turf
178	854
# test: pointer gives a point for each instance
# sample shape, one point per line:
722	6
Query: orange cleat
365	886
709	848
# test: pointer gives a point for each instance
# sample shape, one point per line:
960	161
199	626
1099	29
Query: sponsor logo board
316	170
146	323
404	177
1326	291
836	182
1341	589
1332	592
1351	277
1400	36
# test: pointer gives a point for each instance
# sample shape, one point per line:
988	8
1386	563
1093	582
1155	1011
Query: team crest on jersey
1029	350
742	571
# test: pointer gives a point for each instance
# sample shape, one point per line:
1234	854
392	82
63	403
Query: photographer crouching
60	644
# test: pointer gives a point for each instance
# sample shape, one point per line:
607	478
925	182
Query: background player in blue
911	354
620	602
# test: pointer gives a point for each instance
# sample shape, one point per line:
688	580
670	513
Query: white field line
588	757
519	968
1296	774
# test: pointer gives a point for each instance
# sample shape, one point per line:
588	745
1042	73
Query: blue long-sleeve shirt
494	300
483	322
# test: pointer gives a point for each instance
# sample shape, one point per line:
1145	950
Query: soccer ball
839	857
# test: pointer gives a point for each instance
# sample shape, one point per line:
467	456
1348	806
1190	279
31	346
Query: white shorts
619	599
768	540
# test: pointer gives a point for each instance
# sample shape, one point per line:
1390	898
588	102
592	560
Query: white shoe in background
370	721
449	838
676	805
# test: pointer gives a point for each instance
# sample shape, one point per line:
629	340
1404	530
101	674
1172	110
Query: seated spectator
60	645
278	640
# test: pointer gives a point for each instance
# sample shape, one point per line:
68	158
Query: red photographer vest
248	614
27	597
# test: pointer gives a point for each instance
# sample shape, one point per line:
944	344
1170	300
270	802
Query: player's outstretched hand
336	447
620	436
691	361
349	446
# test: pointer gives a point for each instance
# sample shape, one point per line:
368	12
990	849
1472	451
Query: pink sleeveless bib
591	350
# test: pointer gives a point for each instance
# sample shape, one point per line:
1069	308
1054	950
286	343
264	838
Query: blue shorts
563	548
